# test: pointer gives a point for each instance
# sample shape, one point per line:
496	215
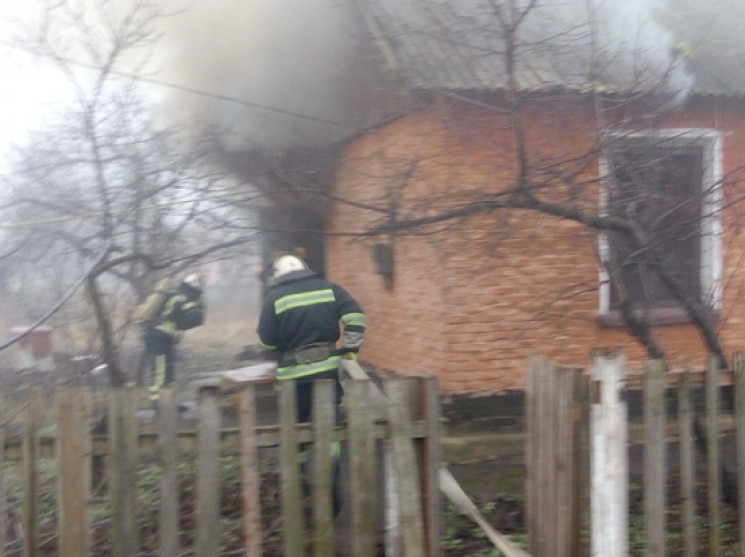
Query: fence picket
609	464
654	459
323	425
687	464
208	477
292	528
250	478
535	468
739	367
429	456
362	467
3	491
712	453
123	449
402	451
564	451
552	482
169	481
74	467
30	476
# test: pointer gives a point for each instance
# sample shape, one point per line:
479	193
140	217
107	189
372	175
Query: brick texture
472	298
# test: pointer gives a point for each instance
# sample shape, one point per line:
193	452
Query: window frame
710	266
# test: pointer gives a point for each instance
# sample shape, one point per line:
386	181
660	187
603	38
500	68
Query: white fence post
608	458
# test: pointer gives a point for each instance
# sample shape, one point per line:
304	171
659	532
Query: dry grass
213	346
216	334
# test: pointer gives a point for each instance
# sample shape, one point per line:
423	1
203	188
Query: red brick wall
471	298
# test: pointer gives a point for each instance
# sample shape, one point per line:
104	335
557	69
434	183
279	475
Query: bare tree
109	178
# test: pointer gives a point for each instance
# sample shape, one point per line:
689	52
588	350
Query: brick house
469	297
428	225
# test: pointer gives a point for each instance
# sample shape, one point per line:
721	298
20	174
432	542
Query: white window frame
710	141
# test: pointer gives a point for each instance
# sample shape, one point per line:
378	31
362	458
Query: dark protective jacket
302	310
180	313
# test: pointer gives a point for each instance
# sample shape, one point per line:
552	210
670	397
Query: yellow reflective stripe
269	347
170	304
303	370
168	327
303	299
354	319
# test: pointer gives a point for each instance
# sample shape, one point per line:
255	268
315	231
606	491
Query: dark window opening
659	188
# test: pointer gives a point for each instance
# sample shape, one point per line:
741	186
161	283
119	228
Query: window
667	183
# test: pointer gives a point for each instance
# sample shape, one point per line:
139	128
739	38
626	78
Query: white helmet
194	280
287	264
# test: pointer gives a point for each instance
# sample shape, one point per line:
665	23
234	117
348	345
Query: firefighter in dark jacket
183	309
299	322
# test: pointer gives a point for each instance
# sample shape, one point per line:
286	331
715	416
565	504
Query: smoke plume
285	65
298	69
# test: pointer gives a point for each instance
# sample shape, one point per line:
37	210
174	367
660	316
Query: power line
187	89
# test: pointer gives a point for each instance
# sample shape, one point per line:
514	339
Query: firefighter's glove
352	340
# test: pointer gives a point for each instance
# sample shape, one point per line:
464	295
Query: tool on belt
310	353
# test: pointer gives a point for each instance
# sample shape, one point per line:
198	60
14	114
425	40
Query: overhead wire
186	88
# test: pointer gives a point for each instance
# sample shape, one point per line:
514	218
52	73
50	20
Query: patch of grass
463	537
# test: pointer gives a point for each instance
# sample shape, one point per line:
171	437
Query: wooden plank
377	411
687	466
147	441
404	462
565	480
549	520
292	508
169	479
538	477
208	478
30	517
609	460
250	476
74	472
562	459
535	364
130	461
712	454
580	460
362	467
122	467
323	427
391	512
673	378
116	480
739	369
654	459
430	457
3	491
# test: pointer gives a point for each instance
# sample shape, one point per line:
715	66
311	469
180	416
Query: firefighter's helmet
287	264
194	281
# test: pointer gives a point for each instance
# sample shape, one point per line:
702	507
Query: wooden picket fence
399	436
579	436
